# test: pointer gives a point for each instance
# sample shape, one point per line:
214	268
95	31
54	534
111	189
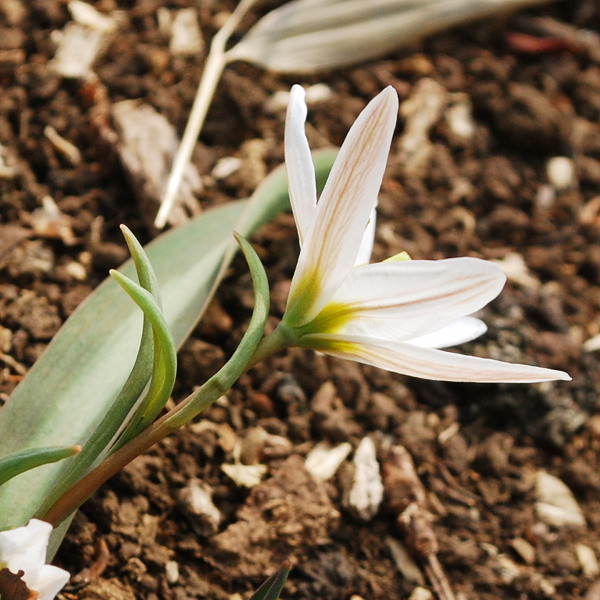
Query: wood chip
85	14
420	593
63	146
196	500
186	38
147	143
323	460
404	562
421	111
248	476
78	48
524	549
556	505
366	492
588	560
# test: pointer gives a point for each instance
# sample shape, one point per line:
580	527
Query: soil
477	179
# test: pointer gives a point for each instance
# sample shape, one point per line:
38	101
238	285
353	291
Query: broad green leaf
19	462
68	391
272	587
311	35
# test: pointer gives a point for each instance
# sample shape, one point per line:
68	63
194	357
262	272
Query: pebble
560	171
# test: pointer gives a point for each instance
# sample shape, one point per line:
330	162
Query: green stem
282	337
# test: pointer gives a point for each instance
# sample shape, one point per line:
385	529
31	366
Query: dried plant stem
213	69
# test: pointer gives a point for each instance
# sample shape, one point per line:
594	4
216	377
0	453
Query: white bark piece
245	475
186	38
459	117
588	561
78	47
172	571
63	146
196	498
366	492
421	111
404	562
556	505
86	14
147	145
323	461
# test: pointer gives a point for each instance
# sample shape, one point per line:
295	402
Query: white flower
24	549
395	314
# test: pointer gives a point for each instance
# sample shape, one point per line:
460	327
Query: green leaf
272	587
165	357
116	417
67	393
221	382
19	462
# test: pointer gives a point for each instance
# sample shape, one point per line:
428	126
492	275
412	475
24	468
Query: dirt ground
486	111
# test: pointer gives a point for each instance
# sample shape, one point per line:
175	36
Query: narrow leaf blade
273	586
19	462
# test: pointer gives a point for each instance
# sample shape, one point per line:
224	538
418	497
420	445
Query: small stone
560	171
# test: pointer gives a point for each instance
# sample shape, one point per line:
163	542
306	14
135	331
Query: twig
215	64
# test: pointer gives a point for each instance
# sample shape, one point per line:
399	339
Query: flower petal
427	363
460	331
49	581
299	164
25	547
330	249
368	239
399	301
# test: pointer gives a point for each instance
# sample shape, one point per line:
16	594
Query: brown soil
533	90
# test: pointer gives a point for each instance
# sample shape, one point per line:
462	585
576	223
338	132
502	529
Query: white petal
331	246
460	331
368	239
299	164
25	547
49	581
427	363
398	301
